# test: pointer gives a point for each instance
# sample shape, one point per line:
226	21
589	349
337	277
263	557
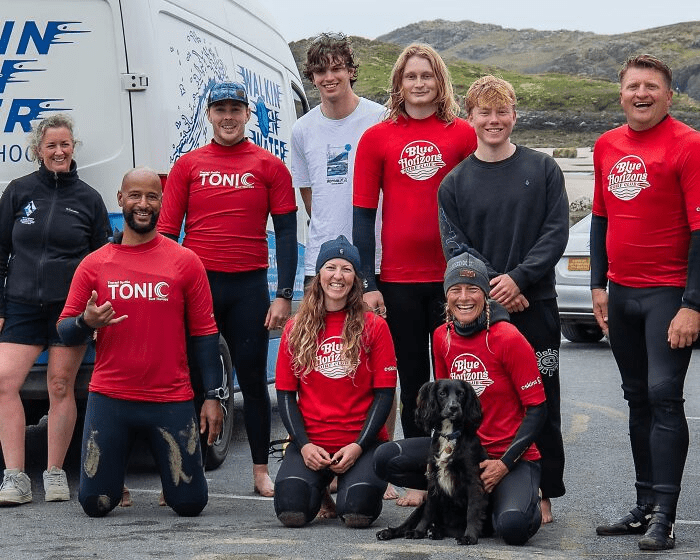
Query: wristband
80	322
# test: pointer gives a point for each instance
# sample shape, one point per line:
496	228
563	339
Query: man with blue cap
225	191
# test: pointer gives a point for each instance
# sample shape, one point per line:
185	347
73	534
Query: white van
134	75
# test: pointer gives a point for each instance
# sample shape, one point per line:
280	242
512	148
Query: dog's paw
435	534
467	539
385	534
413	534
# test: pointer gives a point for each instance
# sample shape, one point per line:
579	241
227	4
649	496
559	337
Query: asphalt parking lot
238	524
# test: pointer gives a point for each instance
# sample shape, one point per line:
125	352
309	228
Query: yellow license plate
579	263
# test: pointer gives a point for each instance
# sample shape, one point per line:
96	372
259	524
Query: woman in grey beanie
479	345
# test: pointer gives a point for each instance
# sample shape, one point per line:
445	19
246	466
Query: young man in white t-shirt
324	142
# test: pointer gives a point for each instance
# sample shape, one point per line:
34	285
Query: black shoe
634	523
659	534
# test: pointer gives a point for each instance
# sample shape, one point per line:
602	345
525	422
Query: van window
300	104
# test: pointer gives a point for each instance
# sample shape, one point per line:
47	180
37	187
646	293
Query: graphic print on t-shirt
470	368
126	289
628	177
420	160
233	180
328	358
337	164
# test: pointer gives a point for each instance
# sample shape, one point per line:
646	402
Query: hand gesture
98	316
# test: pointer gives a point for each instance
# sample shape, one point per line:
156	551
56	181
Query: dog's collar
449	437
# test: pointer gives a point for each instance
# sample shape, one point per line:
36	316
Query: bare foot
390	493
161	499
546	507
327	510
412	498
262	481
333	488
126	500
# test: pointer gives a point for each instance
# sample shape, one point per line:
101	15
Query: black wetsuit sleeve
454	240
363	220
376	417
599	252
204	352
527	432
73	331
691	295
285	248
291	417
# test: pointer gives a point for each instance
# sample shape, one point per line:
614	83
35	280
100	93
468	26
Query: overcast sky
300	19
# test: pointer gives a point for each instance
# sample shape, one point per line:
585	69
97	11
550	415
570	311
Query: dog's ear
472	405
426	406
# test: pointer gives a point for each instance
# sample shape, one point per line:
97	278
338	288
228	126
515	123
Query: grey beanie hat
338	248
467	269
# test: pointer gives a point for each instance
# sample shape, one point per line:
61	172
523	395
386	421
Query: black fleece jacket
48	223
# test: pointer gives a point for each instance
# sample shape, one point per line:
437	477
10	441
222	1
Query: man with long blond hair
405	157
506	205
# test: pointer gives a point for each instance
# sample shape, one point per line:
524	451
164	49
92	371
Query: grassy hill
554	108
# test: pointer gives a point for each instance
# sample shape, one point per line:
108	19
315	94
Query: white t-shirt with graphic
323	158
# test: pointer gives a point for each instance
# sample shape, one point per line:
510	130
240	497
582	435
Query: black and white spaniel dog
456	505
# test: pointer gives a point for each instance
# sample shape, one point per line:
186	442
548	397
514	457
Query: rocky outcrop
567	52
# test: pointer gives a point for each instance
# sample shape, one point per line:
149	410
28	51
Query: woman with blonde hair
336	376
49	220
405	158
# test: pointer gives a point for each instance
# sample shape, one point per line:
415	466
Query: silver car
573	274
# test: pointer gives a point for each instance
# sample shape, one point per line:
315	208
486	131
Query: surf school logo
29	209
628	177
420	160
233	180
328	359
548	362
470	368
151	291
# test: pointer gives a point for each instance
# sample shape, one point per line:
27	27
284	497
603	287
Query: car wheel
216	454
578	332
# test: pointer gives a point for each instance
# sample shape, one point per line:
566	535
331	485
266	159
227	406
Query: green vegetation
536	92
564	97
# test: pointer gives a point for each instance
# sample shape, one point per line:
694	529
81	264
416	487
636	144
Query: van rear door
55	57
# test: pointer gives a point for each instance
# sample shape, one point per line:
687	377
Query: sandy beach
578	172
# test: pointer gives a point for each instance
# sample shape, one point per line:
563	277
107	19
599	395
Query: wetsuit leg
241	301
414	311
360	492
516	504
298	489
653	378
173	434
107	439
403	462
540	325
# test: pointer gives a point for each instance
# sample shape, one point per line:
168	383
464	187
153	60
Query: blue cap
339	248
227	90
